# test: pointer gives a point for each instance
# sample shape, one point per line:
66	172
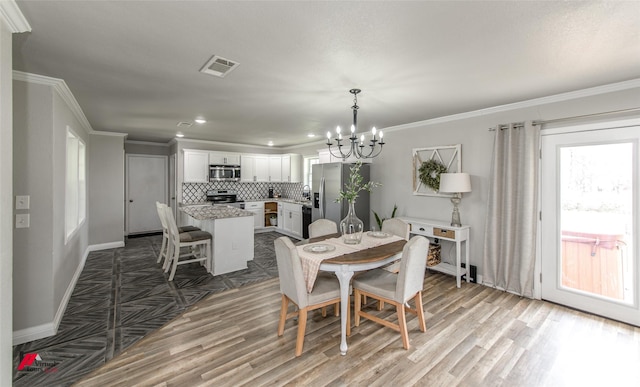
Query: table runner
311	261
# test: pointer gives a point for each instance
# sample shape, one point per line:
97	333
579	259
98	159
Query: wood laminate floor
476	336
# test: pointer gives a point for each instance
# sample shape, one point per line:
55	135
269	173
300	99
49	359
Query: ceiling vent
184	124
218	66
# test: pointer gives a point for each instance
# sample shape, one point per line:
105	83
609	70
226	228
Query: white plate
319	248
378	234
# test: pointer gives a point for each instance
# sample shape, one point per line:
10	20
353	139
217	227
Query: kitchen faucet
306	191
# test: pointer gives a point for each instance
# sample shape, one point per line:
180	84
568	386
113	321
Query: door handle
130	200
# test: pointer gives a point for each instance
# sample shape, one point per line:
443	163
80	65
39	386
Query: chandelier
356	146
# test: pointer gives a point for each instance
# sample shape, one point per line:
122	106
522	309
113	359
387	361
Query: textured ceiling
134	65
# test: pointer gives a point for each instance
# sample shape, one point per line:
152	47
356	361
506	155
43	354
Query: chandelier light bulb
381	134
362	139
339	136
373	131
328	135
338	129
353	128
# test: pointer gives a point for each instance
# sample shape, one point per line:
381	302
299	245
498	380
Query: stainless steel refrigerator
327	181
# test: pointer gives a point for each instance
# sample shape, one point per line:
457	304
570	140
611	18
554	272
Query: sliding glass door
589	228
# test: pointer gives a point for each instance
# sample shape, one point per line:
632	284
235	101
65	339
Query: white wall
394	168
106	190
45	266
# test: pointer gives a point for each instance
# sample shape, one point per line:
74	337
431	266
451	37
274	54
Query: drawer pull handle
421	228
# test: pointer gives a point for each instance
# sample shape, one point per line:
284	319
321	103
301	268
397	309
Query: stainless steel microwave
224	172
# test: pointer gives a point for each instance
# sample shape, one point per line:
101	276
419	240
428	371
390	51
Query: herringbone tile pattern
121	296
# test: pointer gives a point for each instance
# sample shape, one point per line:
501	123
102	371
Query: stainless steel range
224	197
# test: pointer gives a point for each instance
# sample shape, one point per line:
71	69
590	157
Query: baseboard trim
34	333
105	246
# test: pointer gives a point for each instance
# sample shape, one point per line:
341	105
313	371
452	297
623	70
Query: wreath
429	173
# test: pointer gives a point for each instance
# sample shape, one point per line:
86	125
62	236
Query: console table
442	230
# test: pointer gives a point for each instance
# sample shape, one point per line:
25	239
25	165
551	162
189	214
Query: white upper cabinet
292	168
254	168
196	166
221	158
275	168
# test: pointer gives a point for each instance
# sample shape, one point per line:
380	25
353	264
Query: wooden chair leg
324	311
302	326
380	305
402	322
336	309
283	314
419	309
357	300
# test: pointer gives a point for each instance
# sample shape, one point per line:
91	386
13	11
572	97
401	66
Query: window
308	162
75	203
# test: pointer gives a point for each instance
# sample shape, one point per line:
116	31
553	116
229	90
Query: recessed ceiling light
179	134
270	143
200	120
311	135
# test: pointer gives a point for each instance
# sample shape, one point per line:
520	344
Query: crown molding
114	134
604	89
150	143
12	15
60	86
182	140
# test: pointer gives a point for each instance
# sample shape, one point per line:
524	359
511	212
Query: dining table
375	250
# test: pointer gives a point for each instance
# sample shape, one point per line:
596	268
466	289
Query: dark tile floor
121	296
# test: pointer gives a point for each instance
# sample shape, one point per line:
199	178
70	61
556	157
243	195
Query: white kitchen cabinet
254	167
258	213
222	158
293	218
292	168
280	215
196	166
275	168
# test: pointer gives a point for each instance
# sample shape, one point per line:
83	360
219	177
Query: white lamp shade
455	182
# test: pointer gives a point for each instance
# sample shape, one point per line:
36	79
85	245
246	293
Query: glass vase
351	227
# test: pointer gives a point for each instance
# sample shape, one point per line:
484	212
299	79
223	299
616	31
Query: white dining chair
164	248
326	290
398	227
322	227
396	289
197	242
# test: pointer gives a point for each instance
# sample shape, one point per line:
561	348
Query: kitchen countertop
284	200
218	211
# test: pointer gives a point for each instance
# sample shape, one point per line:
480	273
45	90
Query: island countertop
214	212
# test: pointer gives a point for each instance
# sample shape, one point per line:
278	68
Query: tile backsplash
197	192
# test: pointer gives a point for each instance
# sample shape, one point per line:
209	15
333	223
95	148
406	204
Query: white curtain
510	239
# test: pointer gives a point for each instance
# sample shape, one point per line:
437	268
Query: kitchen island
232	231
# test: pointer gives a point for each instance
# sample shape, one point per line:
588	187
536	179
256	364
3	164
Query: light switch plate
22	202
22	221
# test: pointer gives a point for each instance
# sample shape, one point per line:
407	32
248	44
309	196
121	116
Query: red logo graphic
28	360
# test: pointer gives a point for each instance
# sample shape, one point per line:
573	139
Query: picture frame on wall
445	158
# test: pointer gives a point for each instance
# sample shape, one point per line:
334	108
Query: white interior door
589	228
146	184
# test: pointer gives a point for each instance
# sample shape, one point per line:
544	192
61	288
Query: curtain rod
542	122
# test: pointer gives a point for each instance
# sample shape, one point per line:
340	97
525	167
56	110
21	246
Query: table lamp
455	183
